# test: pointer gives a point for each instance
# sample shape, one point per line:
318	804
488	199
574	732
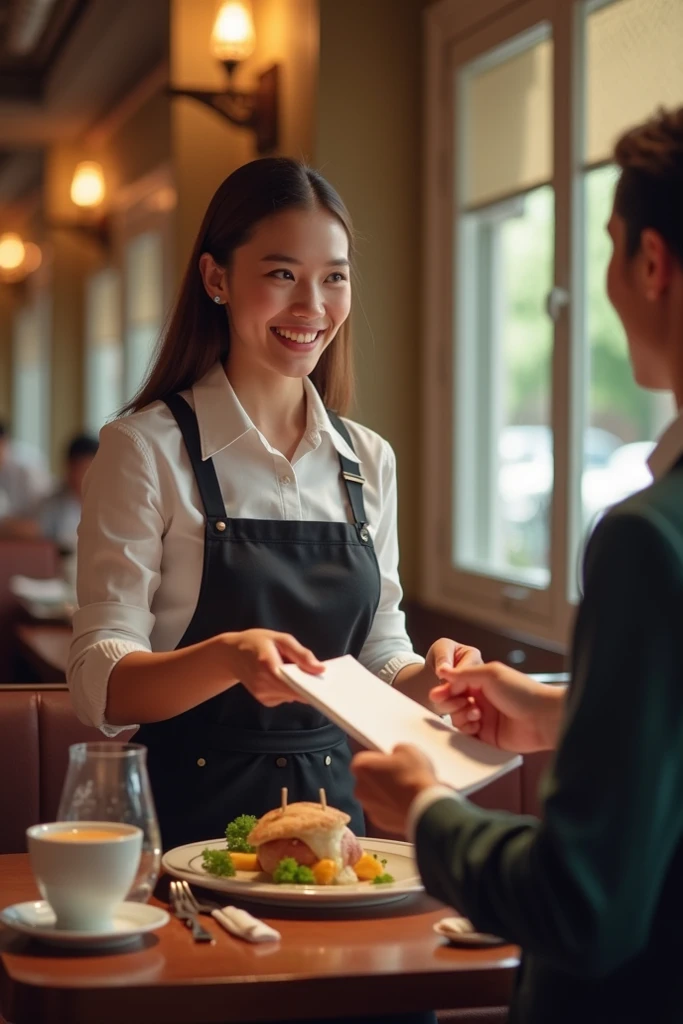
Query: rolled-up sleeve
388	648
119	558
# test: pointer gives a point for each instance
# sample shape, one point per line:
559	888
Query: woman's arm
387	650
115	679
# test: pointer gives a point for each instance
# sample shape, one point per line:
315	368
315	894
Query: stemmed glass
108	781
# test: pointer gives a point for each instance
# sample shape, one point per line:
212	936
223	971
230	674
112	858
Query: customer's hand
387	784
501	706
254	658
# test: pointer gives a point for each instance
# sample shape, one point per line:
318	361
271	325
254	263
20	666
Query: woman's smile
296	339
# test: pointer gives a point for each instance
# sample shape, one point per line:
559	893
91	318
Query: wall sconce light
233	40
18	259
87	192
87	185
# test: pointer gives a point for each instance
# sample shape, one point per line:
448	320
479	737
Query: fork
184	911
196	906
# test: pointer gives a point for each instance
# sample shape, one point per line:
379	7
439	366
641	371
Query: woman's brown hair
198	333
649	193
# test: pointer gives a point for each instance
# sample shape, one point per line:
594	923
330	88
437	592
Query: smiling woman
234	520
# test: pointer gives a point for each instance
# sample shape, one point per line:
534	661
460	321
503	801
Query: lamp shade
87	186
12	251
233	37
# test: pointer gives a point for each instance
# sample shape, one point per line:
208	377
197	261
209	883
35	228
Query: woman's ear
214	278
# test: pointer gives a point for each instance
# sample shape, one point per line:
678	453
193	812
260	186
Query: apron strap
204	471
351	474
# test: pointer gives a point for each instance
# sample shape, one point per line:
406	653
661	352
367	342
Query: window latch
557	299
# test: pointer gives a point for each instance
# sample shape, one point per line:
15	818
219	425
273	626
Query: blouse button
286	480
201	762
328	760
281	762
220	526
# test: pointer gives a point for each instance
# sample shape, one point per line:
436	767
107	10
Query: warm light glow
12	251
87	187
233	36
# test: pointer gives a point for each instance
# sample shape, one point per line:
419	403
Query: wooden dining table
380	960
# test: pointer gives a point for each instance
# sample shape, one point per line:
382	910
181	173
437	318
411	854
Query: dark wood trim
524	652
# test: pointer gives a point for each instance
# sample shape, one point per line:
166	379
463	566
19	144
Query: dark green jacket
593	892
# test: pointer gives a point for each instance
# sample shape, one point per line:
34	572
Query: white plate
460	931
37	919
186	862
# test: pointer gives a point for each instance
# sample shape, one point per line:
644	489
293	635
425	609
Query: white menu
379	717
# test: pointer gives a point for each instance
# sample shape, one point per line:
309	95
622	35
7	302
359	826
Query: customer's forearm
147	687
550	714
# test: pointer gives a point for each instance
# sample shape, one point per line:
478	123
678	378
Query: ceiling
63	65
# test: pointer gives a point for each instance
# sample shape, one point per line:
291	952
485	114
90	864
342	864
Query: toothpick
323	799
284	799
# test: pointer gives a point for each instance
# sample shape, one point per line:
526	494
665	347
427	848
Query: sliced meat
352	851
270	854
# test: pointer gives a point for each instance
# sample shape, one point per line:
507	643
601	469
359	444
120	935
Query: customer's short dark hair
650	189
81	446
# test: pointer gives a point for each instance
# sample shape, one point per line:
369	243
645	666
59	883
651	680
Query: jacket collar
668	450
222	420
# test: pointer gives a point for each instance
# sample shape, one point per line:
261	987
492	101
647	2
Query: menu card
379	717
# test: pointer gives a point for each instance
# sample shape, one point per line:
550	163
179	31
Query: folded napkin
244	926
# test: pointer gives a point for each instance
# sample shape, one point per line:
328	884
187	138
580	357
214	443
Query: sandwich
314	836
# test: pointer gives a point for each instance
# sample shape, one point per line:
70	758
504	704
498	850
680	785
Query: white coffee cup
84	869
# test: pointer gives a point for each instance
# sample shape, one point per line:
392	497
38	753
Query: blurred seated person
57	516
24	478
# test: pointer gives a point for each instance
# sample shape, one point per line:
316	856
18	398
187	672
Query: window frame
455	36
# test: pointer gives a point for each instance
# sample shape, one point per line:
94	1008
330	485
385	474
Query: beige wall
206	148
368	144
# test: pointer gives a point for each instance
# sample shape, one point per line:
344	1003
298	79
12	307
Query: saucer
37	919
460	931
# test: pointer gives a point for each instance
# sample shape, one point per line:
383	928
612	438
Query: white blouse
141	537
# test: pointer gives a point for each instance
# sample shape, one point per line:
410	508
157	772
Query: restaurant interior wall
206	148
368	140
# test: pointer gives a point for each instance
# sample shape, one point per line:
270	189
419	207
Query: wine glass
108	781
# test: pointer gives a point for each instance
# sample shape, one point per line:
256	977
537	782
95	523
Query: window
503	457
31	372
532	418
104	351
143	270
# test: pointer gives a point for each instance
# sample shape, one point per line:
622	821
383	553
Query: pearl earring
218	300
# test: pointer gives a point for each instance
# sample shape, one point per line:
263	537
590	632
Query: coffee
84	835
84	869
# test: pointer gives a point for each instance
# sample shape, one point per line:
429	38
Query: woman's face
637	289
288	292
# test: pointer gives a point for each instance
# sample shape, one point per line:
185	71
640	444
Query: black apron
318	581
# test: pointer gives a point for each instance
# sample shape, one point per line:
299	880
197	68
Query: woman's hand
387	784
444	655
255	656
501	706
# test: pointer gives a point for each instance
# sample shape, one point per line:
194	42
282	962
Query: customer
58	515
593	892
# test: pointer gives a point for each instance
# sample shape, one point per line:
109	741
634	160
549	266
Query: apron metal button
281	762
328	760
220	526
365	534
201	762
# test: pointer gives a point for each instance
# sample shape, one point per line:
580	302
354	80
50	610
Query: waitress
233	521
